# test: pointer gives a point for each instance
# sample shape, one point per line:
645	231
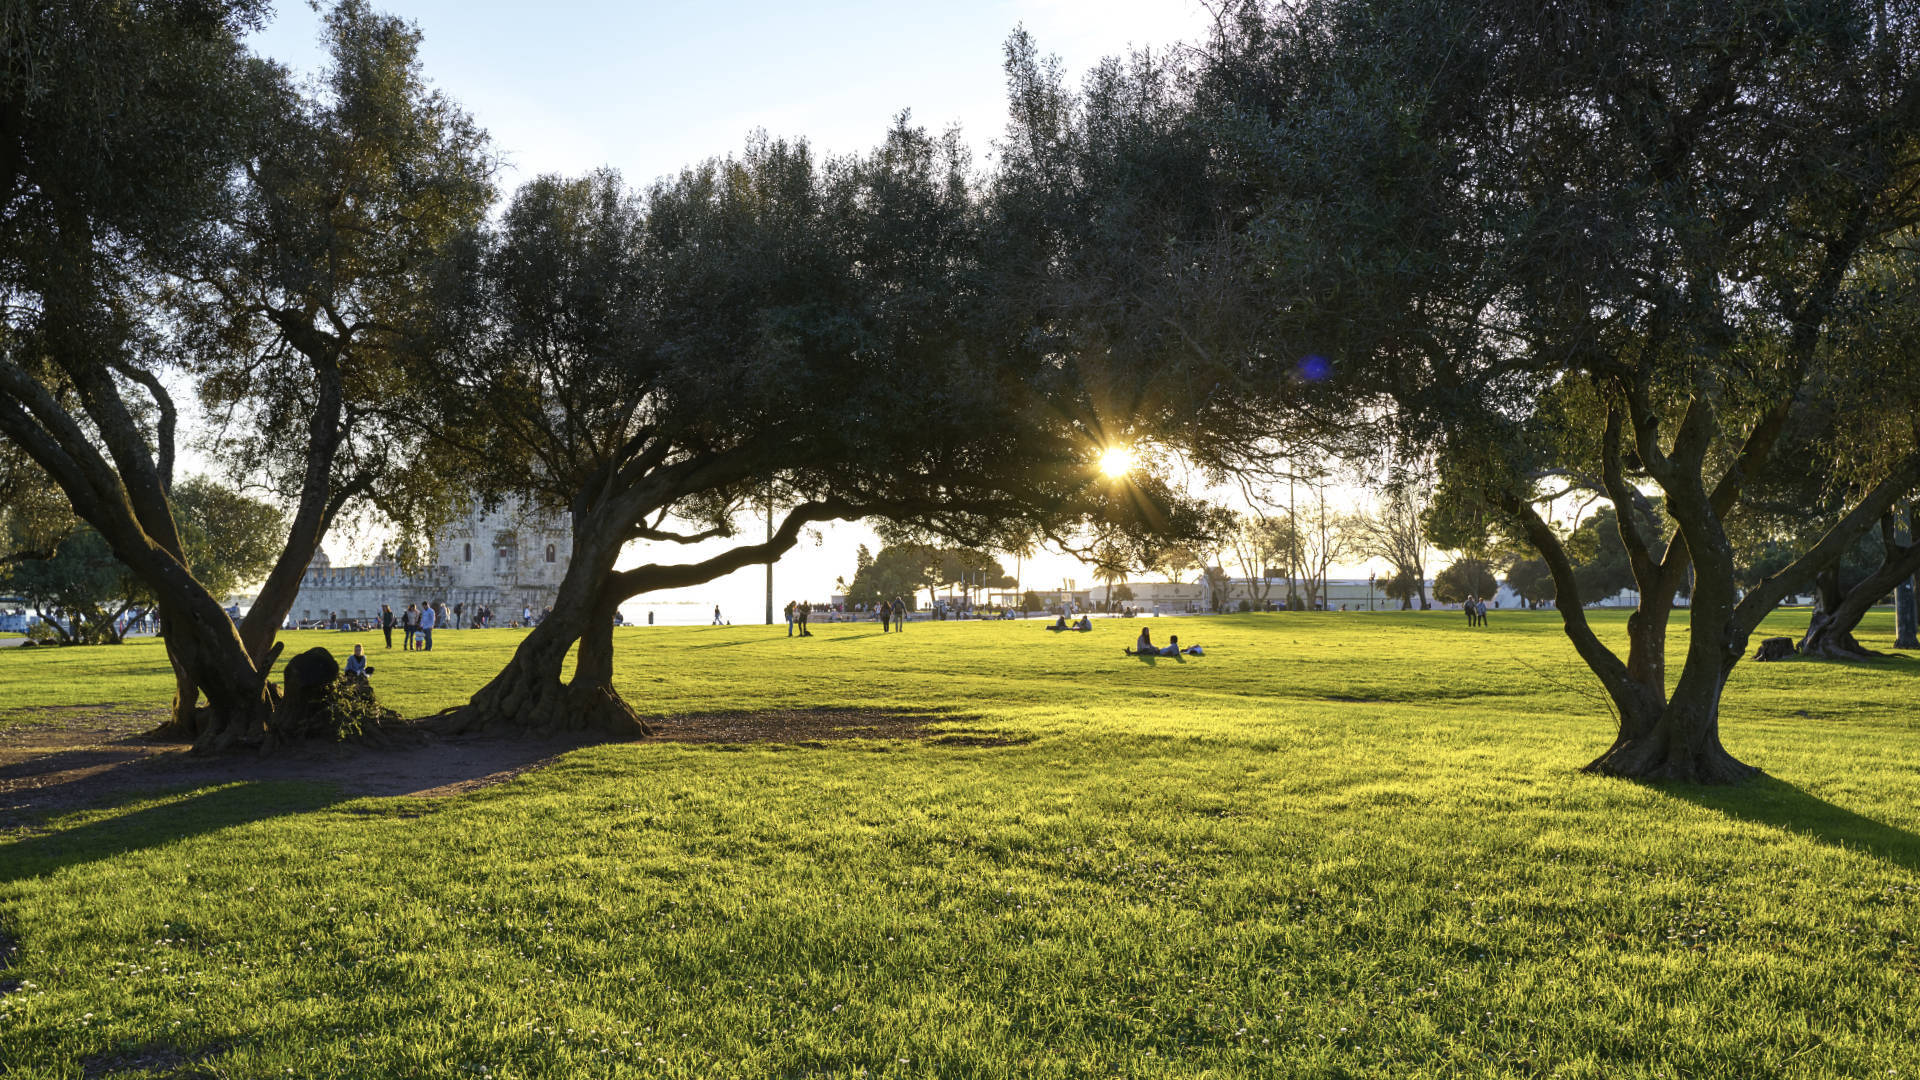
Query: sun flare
1116	461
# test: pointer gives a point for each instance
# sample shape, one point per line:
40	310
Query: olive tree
767	329
122	126
1606	247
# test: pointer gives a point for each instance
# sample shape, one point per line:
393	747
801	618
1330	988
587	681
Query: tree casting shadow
1768	800
210	810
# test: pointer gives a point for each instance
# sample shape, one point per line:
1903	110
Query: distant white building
504	559
1157	597
1342	594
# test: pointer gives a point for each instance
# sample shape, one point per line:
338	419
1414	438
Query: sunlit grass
1337	845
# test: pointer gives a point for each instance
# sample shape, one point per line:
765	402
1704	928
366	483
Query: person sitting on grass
1059	624
357	666
1085	624
1173	647
1143	645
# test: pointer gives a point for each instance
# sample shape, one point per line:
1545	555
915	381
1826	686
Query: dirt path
82	756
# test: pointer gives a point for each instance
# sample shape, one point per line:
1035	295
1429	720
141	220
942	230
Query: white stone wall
505	559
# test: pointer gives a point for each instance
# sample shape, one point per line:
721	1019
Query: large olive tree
317	299
1606	246
770	329
177	208
122	126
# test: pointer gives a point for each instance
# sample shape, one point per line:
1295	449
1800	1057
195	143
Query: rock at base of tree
1776	648
306	674
321	703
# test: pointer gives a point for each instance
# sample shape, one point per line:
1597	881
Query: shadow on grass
824	638
1896	663
209	810
1770	801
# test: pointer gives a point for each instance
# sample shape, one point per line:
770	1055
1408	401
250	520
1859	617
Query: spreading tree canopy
317	298
770	329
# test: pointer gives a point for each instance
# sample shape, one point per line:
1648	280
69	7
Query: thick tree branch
1763	598
168	417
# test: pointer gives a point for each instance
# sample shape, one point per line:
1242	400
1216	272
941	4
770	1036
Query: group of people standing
798	612
1476	610
893	614
416	625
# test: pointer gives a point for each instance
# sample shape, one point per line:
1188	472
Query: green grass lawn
1336	846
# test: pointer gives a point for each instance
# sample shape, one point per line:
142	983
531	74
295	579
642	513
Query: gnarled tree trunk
1829	633
1837	612
1678	741
209	659
528	695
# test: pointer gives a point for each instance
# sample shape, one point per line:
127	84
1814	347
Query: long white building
504	559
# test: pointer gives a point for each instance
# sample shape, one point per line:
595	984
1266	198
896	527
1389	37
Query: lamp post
1906	597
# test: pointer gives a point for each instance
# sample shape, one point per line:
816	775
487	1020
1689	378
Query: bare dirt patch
151	1059
71	758
804	727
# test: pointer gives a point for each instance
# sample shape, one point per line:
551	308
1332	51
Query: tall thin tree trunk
1908	614
1909	625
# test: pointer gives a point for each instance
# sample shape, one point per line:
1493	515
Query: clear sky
571	85
565	87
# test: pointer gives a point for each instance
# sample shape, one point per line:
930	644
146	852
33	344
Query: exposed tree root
517	704
1655	758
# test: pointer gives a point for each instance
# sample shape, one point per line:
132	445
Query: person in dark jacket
386	624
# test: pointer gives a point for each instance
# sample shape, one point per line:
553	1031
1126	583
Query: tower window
469	552
549	552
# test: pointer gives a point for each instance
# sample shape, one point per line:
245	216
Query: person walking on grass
1468	608
409	623
806	610
426	627
886	616
899	614
790	613
386	623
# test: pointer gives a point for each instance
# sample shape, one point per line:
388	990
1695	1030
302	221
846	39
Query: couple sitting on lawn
1085	624
1144	646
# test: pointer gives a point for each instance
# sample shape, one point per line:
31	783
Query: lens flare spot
1117	461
